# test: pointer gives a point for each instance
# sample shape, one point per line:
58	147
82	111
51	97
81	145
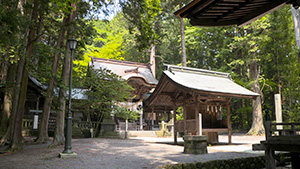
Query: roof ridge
94	59
171	68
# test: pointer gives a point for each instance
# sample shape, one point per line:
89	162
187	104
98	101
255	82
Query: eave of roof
210	13
200	81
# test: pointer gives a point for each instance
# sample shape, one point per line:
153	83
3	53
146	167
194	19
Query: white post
92	132
172	128
35	121
200	124
141	120
278	111
126	128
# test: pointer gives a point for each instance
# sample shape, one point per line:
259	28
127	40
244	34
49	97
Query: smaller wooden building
204	96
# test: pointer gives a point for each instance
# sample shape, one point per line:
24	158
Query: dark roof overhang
210	13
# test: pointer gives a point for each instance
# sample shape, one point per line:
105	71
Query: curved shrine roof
206	81
181	84
126	69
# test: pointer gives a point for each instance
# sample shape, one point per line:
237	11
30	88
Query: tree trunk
7	101
59	136
247	104
182	42
3	69
43	129
22	79
257	127
296	19
9	133
152	59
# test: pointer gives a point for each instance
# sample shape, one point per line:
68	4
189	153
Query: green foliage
143	16
109	40
104	87
125	113
179	117
245	163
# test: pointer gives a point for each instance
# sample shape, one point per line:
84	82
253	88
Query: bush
239	163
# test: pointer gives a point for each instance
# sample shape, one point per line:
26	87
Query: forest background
34	37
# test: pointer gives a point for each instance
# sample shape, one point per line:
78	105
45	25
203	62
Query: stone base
109	134
213	137
195	144
67	155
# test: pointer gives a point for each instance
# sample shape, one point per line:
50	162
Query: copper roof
229	12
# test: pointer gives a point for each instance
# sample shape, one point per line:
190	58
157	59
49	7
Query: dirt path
138	153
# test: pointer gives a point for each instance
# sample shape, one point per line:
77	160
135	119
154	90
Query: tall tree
43	129
59	136
143	15
22	81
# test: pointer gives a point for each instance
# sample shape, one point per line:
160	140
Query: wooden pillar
228	121
166	116
197	117
184	118
37	103
152	121
270	160
174	129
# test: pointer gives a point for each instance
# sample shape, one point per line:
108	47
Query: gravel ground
134	153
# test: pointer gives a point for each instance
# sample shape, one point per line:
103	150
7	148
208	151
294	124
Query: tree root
4	140
42	140
256	132
56	143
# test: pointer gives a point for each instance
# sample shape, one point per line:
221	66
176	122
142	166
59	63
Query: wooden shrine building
201	93
138	75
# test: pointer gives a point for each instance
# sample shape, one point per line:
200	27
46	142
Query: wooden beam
204	6
185	10
225	94
167	94
227	4
212	14
272	6
235	1
233	10
217	10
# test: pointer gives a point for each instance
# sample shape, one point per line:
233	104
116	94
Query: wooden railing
27	123
281	129
87	125
280	137
190	125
